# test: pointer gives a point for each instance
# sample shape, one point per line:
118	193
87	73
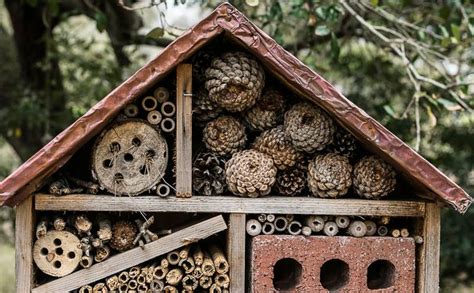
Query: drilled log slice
129	158
57	253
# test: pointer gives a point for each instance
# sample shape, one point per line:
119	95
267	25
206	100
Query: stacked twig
191	268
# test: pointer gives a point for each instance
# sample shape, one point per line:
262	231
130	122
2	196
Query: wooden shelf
231	204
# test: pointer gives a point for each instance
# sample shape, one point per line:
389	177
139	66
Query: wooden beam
135	256
24	230
184	130
236	252
232	204
428	266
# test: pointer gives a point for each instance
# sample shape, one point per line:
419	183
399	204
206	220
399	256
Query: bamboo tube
105	230
160	272
357	229
173	257
294	228
113	283
225	291
208	268
131	110
168	125
342	222
215	289
205	282
82	224
404	232
219	259
59	224
197	273
418	239
141	279
132	284
133	272
102	253
395	233
270	218
306	231
86	261
163	190
253	227
371	228
85	289
170	289
330	228
149	103
161	94
41	228
187	265
262	218
384	220
184	252
190	283
222	280
281	223
382	231
316	223
157	285
290	217
100	288
154	117
198	255
174	276
123	288
123	277
168	109
165	263
142	288
268	228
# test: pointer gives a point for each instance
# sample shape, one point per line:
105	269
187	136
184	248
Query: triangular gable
28	177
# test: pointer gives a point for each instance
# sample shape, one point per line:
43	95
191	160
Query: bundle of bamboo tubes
268	224
196	267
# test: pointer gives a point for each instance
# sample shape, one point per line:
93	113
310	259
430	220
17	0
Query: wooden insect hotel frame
227	165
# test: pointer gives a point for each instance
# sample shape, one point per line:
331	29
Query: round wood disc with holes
129	158
57	253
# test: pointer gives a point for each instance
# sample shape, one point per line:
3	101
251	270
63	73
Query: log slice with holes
129	158
57	253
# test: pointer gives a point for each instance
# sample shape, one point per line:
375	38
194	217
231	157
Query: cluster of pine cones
295	145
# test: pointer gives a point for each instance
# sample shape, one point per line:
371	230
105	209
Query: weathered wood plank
236	252
232	204
428	272
184	131
23	245
135	256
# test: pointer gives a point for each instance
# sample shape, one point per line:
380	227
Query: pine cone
209	174
204	109
272	142
250	173
200	62
224	135
373	178
267	112
308	127
291	181
344	143
123	234
329	175
235	81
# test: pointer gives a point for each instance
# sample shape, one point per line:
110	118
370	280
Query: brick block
288	263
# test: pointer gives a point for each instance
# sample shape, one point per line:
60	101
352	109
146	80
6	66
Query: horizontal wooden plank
135	256
231	204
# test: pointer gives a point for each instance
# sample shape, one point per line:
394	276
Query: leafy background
408	63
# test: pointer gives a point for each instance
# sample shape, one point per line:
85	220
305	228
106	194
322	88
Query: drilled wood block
344	264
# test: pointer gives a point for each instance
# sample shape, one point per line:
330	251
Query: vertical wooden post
184	131
24	229
428	261
236	252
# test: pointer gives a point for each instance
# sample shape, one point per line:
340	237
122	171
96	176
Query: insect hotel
227	165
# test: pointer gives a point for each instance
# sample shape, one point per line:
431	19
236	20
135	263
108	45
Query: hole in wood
150	154
380	274
57	264
287	274
128	157
71	255
144	170
107	163
136	142
334	274
59	251
118	177
114	147
44	251
57	242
